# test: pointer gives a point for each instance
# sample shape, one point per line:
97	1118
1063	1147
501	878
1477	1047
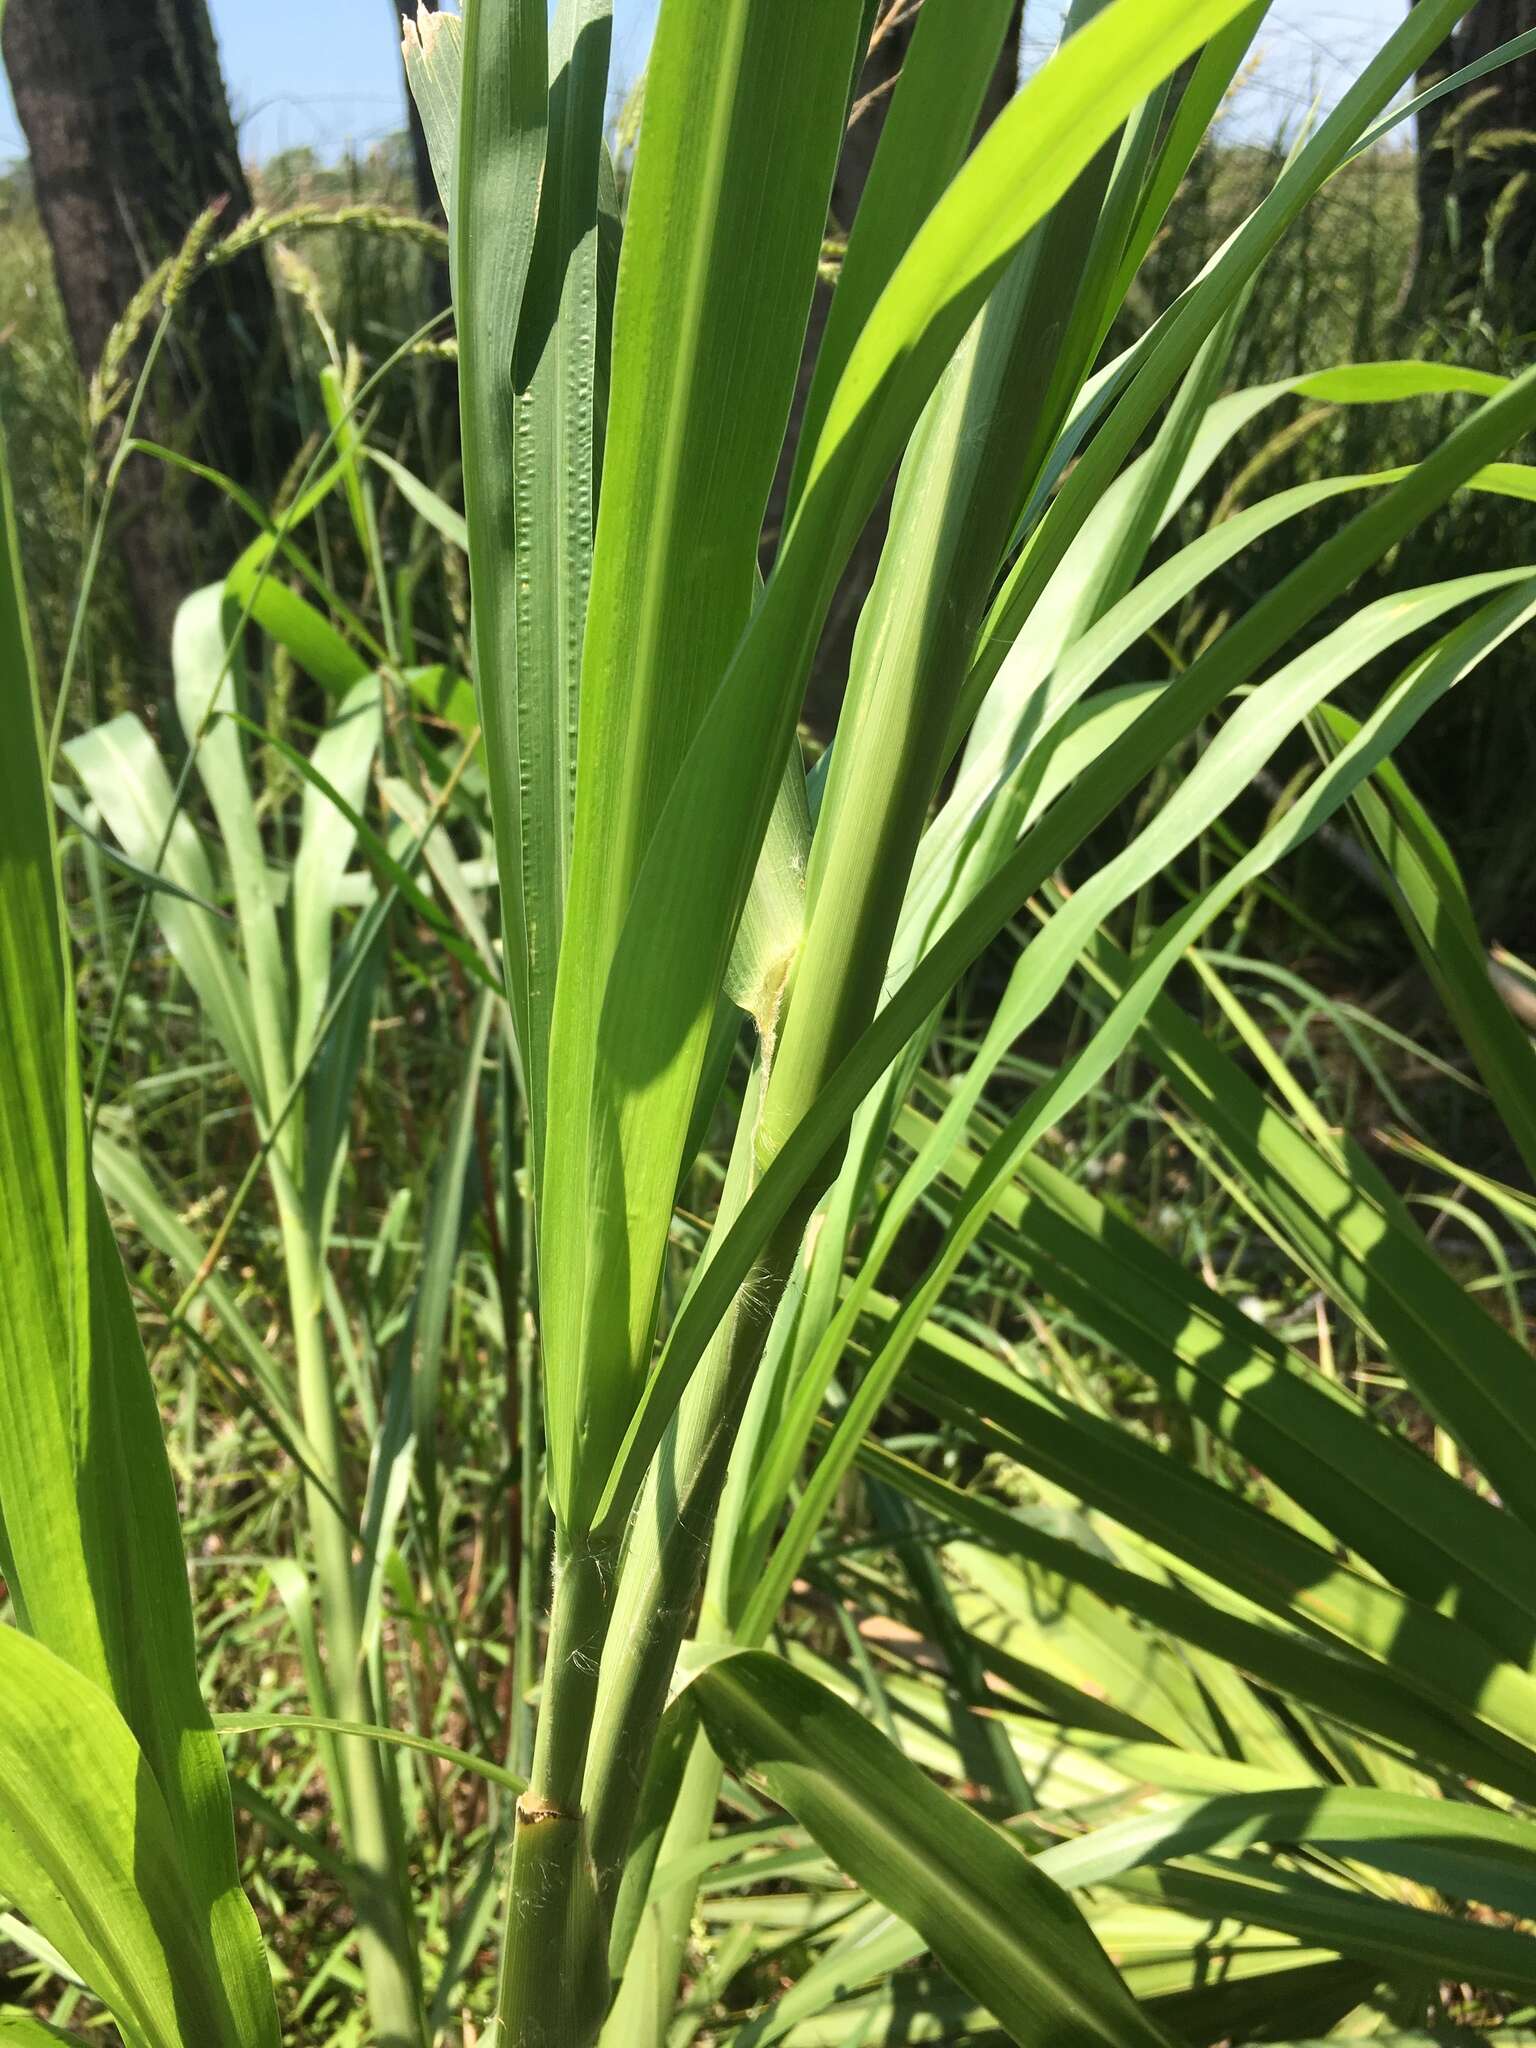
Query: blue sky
326	72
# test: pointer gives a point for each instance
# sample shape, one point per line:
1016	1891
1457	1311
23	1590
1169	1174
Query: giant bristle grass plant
1252	1721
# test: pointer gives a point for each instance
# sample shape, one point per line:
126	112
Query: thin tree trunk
124	112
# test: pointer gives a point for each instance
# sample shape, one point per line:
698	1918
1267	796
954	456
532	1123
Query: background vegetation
423	1274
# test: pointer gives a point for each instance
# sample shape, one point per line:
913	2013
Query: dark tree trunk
872	97
1477	173
123	108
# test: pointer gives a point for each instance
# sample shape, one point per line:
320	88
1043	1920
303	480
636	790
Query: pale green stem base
553	1990
664	1562
646	2004
386	1937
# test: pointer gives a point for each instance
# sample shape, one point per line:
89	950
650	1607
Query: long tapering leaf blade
743	115
91	1522
1000	1928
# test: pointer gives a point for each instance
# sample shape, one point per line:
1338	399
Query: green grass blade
1000	1928
126	1179
447	1211
341	769
555	439
1432	901
1346	1688
1380	1931
1350	1229
1169	719
1465	1851
343	756
1418	1526
1171	345
1279	703
90	1510
125	777
972	464
424	822
744	108
1210	80
451	526
677	935
155	884
1235	1546
398	1738
89	1853
208	695
1427	679
933	113
499	163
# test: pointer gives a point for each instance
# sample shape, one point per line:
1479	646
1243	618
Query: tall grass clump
1259	1685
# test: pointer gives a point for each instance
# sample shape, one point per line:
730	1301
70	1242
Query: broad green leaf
499	166
969	469
294	623
89	1853
556	454
923	139
1349	1689
1466	1851
679	926
744	111
999	1928
91	1525
448	697
1174	714
23	2030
